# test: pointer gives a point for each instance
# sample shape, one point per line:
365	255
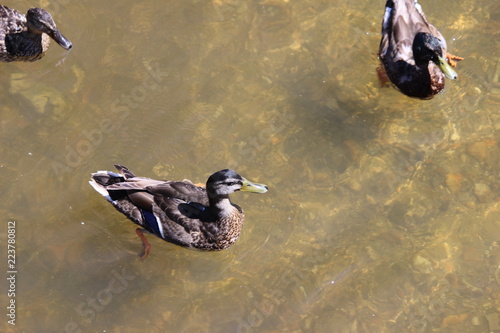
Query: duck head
40	21
224	182
427	47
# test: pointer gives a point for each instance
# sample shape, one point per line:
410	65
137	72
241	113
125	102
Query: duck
27	37
413	52
179	212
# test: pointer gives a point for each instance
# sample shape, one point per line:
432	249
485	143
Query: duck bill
447	70
61	40
253	187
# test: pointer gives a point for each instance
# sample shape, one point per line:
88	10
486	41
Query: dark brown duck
413	51
27	38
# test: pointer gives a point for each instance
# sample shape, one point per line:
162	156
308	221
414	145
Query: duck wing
11	22
174	211
185	191
397	30
188	224
184	214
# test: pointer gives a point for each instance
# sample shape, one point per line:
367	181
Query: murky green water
383	211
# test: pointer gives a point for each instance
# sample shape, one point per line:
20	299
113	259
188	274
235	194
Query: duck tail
124	171
101	179
100	189
106	178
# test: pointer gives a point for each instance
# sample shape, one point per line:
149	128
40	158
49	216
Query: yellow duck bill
447	70
248	186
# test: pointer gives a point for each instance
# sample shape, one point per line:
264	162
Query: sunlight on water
382	214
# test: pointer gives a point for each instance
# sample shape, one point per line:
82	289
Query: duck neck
221	205
229	219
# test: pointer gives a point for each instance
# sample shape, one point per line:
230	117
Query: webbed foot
383	79
145	243
452	59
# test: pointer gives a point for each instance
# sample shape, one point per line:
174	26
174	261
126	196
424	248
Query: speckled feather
11	22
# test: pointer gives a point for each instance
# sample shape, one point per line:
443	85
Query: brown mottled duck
179	211
27	38
413	51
